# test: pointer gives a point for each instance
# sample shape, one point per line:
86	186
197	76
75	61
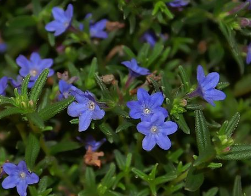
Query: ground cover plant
127	97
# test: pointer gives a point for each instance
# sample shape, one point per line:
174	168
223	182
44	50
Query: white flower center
91	105
22	175
154	129
33	72
66	24
147	111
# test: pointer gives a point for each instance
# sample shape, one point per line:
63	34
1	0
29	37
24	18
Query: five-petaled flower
97	30
206	87
85	107
19	177
62	20
147	105
34	66
90	142
3	85
156	131
134	69
179	3
248	58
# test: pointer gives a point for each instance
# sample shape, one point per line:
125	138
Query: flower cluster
153	126
18	176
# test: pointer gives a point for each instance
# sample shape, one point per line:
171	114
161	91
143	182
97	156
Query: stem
129	81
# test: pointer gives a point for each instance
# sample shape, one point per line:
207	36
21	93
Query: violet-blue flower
86	108
3	85
3	47
19	177
156	131
62	20
146	105
134	69
91	142
179	3
248	58
34	66
97	30
150	38
64	89
206	87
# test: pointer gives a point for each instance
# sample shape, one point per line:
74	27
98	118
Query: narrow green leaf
123	126
6	100
132	21
129	52
10	111
38	86
184	78
90	178
237	152
120	159
36	119
182	124
140	174
105	92
43	183
51	110
22	21
232	124
32	150
237	190
165	178
51	39
36	7
24	87
202	134
194	179
64	146
211	192
156	85
108	131
108	179
90	81
128	160
157	50
222	85
194	107
153	172
11	62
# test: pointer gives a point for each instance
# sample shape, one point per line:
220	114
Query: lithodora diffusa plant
139	98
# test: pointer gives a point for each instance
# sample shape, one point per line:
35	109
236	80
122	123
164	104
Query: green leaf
22	21
166	178
32	150
237	190
129	52
211	192
153	172
6	100
120	159
24	87
90	182
128	160
36	119
107	130
194	107
157	50
237	152
184	78
182	124
51	39
194	179
43	183
36	7
90	78
51	110
105	92
64	146
38	86
123	126
11	62
202	134
132	21
108	180
140	174
232	124
10	111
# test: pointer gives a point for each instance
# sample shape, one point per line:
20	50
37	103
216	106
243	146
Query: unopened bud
108	79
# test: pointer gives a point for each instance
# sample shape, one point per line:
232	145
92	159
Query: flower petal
163	141
22	188
144	127
210	81
100	25
156	99
10	182
200	74
22	61
98	113
58	13
53	26
32	178
35	58
85	120
143	95
135	114
69	12
214	94
60	30
75	109
158	118
148	142
22	166
168	128
9	168
45	63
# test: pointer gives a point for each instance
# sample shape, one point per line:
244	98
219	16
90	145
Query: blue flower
91	142
249	7
34	66
150	38
134	69
3	47
65	89
147	105
156	131
19	177
3	85
248	59
62	20
206	87
179	3
85	107
97	30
